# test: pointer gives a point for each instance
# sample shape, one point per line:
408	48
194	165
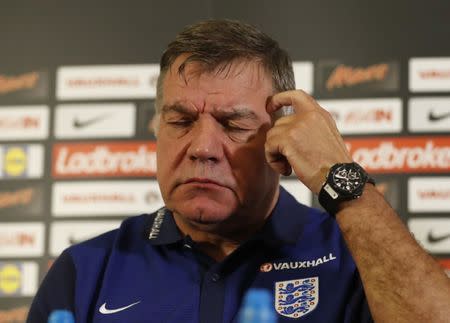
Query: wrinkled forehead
249	72
238	82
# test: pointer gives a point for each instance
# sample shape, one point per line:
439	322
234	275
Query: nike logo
434	239
104	310
77	123
434	117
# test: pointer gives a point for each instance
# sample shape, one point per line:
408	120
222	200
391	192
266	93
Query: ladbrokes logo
401	155
335	77
9	83
104	159
14	315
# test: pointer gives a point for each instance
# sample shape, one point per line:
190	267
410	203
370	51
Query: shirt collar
281	227
163	229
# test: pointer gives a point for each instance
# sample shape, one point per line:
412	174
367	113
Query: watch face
348	179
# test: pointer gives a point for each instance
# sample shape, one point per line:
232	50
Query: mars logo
15	198
20	82
265	268
336	77
348	76
10	279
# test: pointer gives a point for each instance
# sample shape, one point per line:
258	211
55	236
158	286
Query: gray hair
215	44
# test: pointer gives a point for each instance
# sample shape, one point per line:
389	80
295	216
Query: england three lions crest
298	297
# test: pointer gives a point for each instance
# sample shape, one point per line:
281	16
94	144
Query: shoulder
129	235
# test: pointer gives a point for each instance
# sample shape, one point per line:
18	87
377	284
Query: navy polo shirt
146	271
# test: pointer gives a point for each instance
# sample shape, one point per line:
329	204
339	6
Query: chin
204	206
205	214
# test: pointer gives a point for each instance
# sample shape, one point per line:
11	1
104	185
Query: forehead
241	82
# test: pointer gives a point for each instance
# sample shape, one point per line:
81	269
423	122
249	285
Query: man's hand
393	267
307	141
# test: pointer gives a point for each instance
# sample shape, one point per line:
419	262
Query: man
228	226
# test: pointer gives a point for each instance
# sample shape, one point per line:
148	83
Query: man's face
210	151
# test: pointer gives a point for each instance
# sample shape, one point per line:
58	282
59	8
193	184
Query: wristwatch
344	182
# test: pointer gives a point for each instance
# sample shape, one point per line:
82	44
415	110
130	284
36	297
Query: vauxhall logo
267	267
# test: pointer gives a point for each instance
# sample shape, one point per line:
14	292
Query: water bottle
61	316
257	307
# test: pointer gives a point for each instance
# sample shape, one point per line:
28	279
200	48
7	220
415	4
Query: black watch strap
329	199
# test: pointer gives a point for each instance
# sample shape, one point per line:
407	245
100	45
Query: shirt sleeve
56	291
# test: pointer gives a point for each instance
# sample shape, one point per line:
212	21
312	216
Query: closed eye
180	123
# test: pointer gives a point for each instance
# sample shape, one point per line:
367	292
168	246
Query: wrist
344	182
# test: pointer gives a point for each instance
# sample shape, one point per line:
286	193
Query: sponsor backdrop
76	100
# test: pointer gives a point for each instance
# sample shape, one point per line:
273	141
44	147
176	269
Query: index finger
299	100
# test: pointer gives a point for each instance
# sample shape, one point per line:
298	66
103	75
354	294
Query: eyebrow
233	114
236	113
177	107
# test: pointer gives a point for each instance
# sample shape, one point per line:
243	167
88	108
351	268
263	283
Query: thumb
279	163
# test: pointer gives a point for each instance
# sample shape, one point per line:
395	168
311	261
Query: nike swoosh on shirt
434	117
77	123
104	310
434	239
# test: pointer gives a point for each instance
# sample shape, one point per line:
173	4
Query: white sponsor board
429	74
24	122
107	198
359	116
432	234
429	114
429	194
107	82
66	233
24	239
301	193
21	161
95	120
21	278
303	73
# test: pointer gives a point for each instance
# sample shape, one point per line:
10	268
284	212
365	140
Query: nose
206	144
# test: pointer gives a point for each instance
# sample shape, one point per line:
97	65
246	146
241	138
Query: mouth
202	181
